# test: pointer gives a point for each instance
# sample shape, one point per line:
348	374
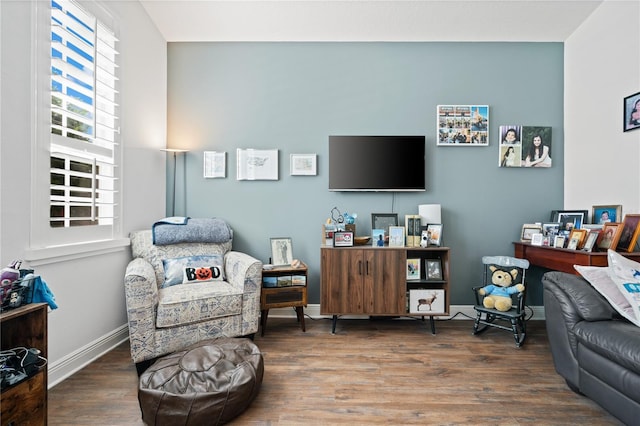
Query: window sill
56	254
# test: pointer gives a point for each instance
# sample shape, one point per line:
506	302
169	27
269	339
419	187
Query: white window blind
84	188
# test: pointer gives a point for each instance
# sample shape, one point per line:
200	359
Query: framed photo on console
396	236
608	238
629	233
343	239
434	230
384	221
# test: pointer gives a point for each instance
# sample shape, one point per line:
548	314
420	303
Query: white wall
602	66
89	290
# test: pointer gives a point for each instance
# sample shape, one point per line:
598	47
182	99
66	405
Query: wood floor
371	372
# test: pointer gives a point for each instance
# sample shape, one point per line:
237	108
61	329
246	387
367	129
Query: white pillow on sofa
600	279
626	274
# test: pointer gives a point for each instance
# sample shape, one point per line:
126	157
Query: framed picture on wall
257	164
462	125
631	115
303	164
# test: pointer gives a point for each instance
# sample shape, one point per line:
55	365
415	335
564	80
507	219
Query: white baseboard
75	361
458	312
61	369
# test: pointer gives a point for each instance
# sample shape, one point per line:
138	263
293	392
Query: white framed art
303	164
215	164
257	164
426	301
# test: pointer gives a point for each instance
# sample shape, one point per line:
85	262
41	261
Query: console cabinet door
342	279
384	288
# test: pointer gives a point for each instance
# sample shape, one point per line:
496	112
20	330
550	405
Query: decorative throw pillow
626	274
193	269
599	279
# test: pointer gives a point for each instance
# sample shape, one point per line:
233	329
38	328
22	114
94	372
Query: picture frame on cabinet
426	301
281	251
343	239
413	269
580	235
384	221
303	164
608	238
528	230
377	238
536	239
631	114
396	236
629	233
605	214
434	231
558	242
569	219
573	243
590	243
433	268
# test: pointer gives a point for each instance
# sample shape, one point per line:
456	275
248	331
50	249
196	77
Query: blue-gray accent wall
292	96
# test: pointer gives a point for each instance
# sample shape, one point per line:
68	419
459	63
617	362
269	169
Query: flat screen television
376	163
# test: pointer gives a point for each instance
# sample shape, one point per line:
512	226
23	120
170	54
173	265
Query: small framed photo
377	237
609	236
551	229
528	230
434	269
434	231
426	301
558	242
343	239
396	236
536	239
629	234
631	116
384	221
281	251
605	214
413	269
580	235
573	243
303	164
592	237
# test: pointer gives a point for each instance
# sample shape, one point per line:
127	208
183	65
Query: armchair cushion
185	303
190	269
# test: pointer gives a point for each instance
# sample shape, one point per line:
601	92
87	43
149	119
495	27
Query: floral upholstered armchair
181	293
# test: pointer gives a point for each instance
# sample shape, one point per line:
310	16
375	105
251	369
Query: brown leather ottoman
210	382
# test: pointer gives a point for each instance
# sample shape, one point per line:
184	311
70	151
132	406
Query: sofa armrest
569	299
243	271
141	295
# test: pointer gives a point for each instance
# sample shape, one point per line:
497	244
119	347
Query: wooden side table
286	295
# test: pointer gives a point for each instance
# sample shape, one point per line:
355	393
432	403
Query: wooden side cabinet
26	402
373	280
291	295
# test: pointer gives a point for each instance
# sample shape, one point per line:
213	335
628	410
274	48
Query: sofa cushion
191	269
600	279
186	303
616	340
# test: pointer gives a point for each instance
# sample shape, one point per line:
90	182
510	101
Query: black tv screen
376	163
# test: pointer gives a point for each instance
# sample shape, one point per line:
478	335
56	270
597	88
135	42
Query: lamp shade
429	213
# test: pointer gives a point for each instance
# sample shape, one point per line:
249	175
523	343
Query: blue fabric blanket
175	230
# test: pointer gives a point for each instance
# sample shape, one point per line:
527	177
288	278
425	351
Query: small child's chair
490	316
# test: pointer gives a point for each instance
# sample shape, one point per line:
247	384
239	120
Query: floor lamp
175	153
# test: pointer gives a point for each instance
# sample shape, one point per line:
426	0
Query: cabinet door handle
367	267
359	267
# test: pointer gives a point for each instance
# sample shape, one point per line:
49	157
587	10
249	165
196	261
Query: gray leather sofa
594	349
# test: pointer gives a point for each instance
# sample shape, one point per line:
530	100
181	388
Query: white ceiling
368	20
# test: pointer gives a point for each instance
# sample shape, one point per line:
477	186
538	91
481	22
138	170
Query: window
82	141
